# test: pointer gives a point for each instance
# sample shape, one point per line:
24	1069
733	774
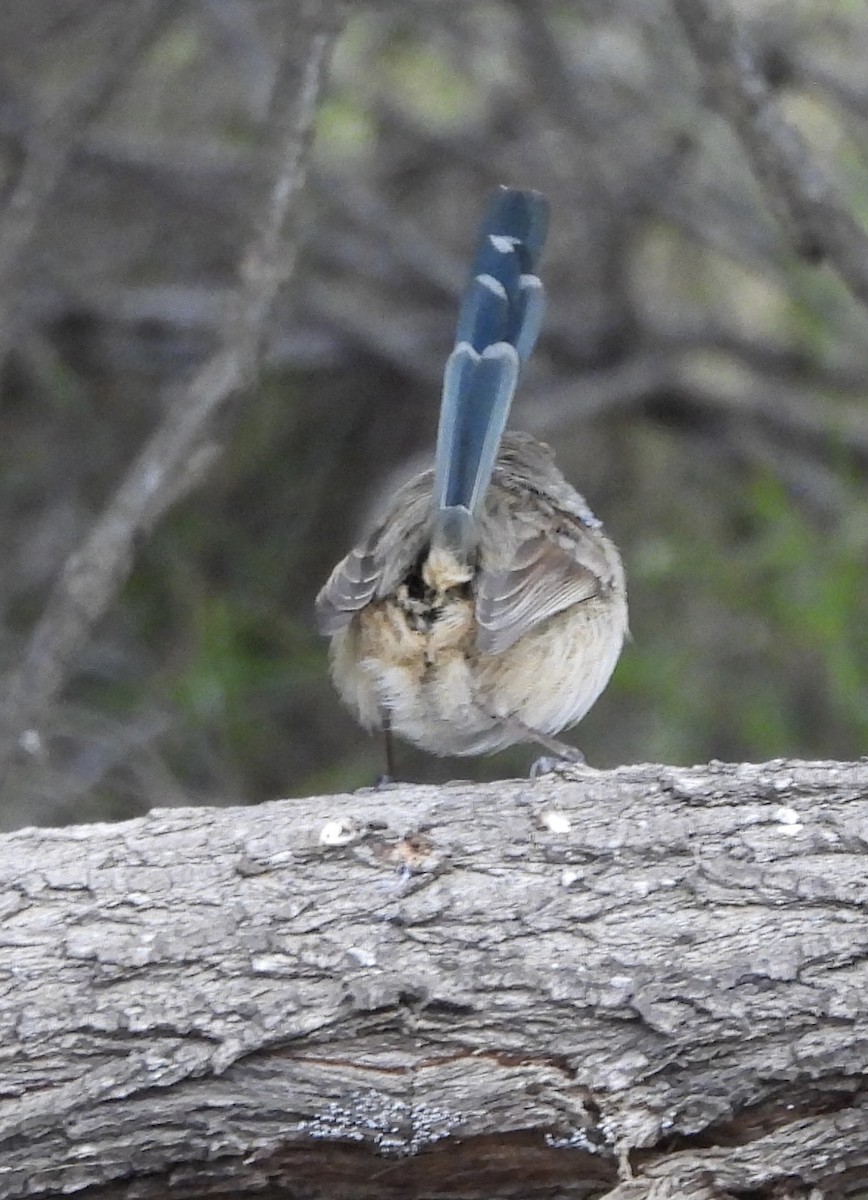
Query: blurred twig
92	575
53	145
819	222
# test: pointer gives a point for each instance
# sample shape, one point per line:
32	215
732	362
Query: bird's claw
551	764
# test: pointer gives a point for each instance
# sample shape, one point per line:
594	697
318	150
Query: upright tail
498	324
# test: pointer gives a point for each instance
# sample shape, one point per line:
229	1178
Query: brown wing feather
351	585
378	565
542	579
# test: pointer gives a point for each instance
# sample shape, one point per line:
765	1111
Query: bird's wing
352	584
542	579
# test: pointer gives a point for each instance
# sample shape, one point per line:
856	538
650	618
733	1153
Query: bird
486	606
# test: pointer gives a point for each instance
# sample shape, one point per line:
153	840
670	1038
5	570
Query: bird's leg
561	750
560	753
389	748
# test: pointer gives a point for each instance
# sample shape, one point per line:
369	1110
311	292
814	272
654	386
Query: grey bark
647	982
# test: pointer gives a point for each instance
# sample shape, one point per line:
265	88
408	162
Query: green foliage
765	652
810	584
343	131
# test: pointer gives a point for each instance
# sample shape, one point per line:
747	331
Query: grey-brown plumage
487	606
467	657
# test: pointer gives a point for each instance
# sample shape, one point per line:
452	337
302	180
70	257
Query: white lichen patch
362	956
786	815
555	820
273	964
338	832
788	819
393	1126
31	743
572	875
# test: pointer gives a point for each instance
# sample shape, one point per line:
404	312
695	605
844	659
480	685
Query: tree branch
819	223
653	975
179	452
53	145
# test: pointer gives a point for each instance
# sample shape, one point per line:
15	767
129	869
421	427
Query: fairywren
486	606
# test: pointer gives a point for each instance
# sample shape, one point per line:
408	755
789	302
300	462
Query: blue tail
498	324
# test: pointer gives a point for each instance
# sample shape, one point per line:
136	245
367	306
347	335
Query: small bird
486	607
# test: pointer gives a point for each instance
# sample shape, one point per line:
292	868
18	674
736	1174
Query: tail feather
522	216
490	306
498	324
529	318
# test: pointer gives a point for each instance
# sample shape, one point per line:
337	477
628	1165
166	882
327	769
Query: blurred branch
780	391
665	387
809	204
388	335
52	147
771	359
551	72
849	97
393	232
179	449
708	213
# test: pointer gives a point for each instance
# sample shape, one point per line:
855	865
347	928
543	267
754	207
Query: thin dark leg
389	747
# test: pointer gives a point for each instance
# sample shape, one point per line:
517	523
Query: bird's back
528	628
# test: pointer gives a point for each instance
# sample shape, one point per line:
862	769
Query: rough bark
647	982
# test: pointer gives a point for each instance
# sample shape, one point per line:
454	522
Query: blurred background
702	387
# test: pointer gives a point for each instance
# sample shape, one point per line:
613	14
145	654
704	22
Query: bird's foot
383	783
550	764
